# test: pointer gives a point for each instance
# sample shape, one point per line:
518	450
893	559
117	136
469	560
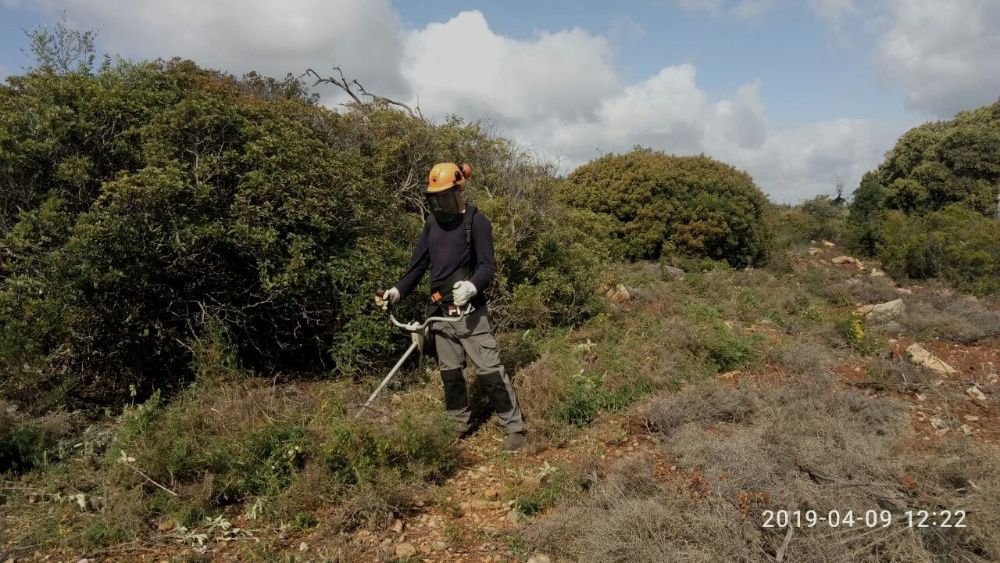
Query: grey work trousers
472	338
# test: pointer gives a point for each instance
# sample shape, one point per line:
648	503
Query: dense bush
927	210
148	207
955	243
207	203
940	163
820	218
662	204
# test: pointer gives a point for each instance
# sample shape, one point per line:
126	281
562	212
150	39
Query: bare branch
346	86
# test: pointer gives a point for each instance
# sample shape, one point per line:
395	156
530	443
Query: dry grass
899	374
806	356
951	316
710	402
631	516
866	290
806	444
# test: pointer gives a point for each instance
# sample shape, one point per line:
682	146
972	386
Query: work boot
513	441
461	431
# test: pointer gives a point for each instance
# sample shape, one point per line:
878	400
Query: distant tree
61	49
839	199
685	205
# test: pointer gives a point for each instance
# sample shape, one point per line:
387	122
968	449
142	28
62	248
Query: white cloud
830	10
558	93
833	11
945	55
747	9
712	6
624	27
799	162
365	37
751	9
462	66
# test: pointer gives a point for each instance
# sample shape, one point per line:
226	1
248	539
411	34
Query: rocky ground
950	389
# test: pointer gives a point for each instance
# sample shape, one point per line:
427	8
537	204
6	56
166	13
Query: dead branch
349	88
780	555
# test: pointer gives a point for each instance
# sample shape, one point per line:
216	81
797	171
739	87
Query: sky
802	94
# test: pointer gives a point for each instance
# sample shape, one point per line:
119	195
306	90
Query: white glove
388	297
463	292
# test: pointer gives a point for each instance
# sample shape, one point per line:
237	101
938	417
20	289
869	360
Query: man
457	246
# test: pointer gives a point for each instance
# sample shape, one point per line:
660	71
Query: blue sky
808	71
800	93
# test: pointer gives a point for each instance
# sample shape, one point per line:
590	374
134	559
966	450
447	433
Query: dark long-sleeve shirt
442	249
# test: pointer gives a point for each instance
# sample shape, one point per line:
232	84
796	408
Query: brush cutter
418	332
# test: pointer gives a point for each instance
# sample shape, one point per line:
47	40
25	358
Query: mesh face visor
443	205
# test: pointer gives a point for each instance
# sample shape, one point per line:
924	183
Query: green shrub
711	337
940	163
955	243
212	442
362	452
820	218
858	336
663	204
590	394
926	210
26	442
230	224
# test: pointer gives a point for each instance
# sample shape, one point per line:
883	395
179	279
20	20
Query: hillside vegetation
931	208
187	334
154	210
663	205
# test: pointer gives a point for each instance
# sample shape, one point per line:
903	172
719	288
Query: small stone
892	327
939	423
439	545
828	244
876	273
397	526
883	311
966	429
975	393
904	291
920	356
303	546
619	294
971	418
516	518
539	558
405	550
849	260
671	273
492	493
813	251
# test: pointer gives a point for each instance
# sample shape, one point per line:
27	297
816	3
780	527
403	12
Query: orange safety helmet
446	175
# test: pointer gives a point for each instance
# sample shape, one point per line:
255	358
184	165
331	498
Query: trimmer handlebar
416	327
